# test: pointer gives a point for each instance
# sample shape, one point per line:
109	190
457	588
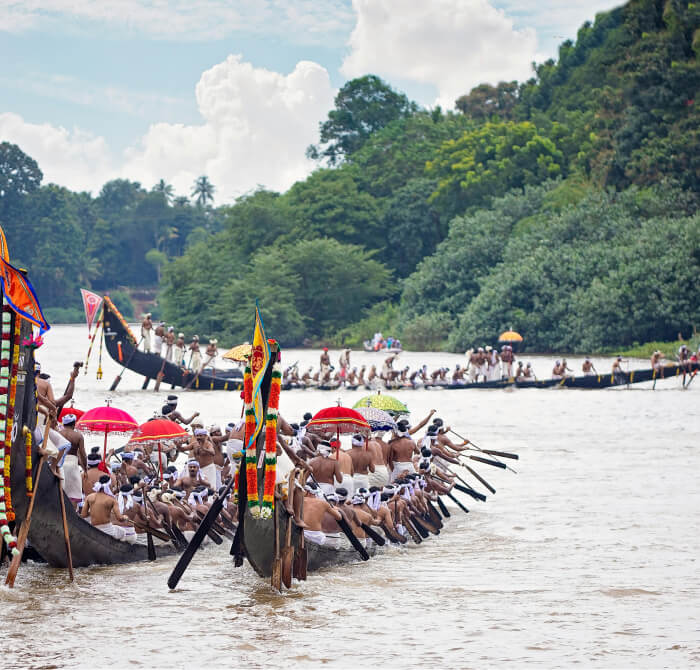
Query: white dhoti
360	481
72	478
380	476
401	467
208	472
169	352
129	534
178	355
507	369
157	344
328	489
146	335
117	532
218	477
233	446
195	361
347	484
315	536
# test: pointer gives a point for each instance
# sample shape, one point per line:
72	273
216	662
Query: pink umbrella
107	420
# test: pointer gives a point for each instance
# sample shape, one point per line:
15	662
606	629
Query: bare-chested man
195	361
587	367
158	337
204	453
315	509
326	470
101	506
619	375
401	450
210	354
179	350
174	415
146	330
192	479
657	362
92	473
169	343
379	474
362	463
346	466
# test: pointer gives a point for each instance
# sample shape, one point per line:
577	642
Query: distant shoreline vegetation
564	206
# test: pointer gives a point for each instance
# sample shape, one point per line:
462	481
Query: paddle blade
287	562
301	559
422	530
376	537
345	527
151	547
481	479
198	538
495	464
502	454
471	492
115	383
443	508
459	504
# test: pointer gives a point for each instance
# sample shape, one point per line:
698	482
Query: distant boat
122	346
367	344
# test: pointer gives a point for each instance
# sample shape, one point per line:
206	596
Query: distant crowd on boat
380	343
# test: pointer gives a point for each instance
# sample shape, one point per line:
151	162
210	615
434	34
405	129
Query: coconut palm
165	189
203	191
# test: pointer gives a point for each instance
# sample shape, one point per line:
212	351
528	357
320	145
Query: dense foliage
564	206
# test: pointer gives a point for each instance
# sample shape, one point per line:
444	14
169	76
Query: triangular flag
91	303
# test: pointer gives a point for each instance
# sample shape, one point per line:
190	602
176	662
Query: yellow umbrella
239	353
510	336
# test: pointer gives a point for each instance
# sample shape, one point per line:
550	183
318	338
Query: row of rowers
137	483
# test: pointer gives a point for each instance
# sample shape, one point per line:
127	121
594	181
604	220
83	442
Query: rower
362	463
326	470
204	453
618	373
100	506
169	343
315	509
657	362
210	352
192	479
173	414
325	366
587	367
401	450
92	473
179	350
346	466
378	474
146	330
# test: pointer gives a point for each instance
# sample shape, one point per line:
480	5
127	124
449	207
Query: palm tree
165	189
181	201
203	191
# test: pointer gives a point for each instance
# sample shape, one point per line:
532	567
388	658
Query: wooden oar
495	464
415	535
276	578
66	535
118	378
471	492
376	537
434	514
502	454
443	508
198	537
478	448
481	479
394	537
159	376
422	530
287	556
459	504
301	557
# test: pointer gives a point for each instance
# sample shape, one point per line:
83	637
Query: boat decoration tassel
7	362
29	482
251	467
273	404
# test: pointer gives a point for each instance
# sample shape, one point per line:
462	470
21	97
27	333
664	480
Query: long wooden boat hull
122	346
582	382
89	545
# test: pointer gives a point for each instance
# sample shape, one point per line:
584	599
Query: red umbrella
155	431
77	413
338	419
107	420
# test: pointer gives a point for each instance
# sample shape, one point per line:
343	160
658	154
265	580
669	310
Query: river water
588	555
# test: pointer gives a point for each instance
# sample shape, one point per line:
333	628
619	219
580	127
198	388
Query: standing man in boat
618	373
75	459
146	329
101	505
169	343
657	362
210	353
325	365
587	367
158	337
195	353
179	350
507	359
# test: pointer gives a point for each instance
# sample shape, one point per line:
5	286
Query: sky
146	90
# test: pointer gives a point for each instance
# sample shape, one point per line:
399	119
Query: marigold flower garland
251	467
28	465
273	404
7	363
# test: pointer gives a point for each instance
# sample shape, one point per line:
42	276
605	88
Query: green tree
486	101
491	160
203	191
19	176
166	189
362	106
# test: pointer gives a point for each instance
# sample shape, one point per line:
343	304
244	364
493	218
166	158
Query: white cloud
71	158
256	127
298	20
451	44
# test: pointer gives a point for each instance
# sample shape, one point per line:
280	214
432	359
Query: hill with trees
565	206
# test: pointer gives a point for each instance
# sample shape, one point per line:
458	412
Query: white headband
358	441
104	488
